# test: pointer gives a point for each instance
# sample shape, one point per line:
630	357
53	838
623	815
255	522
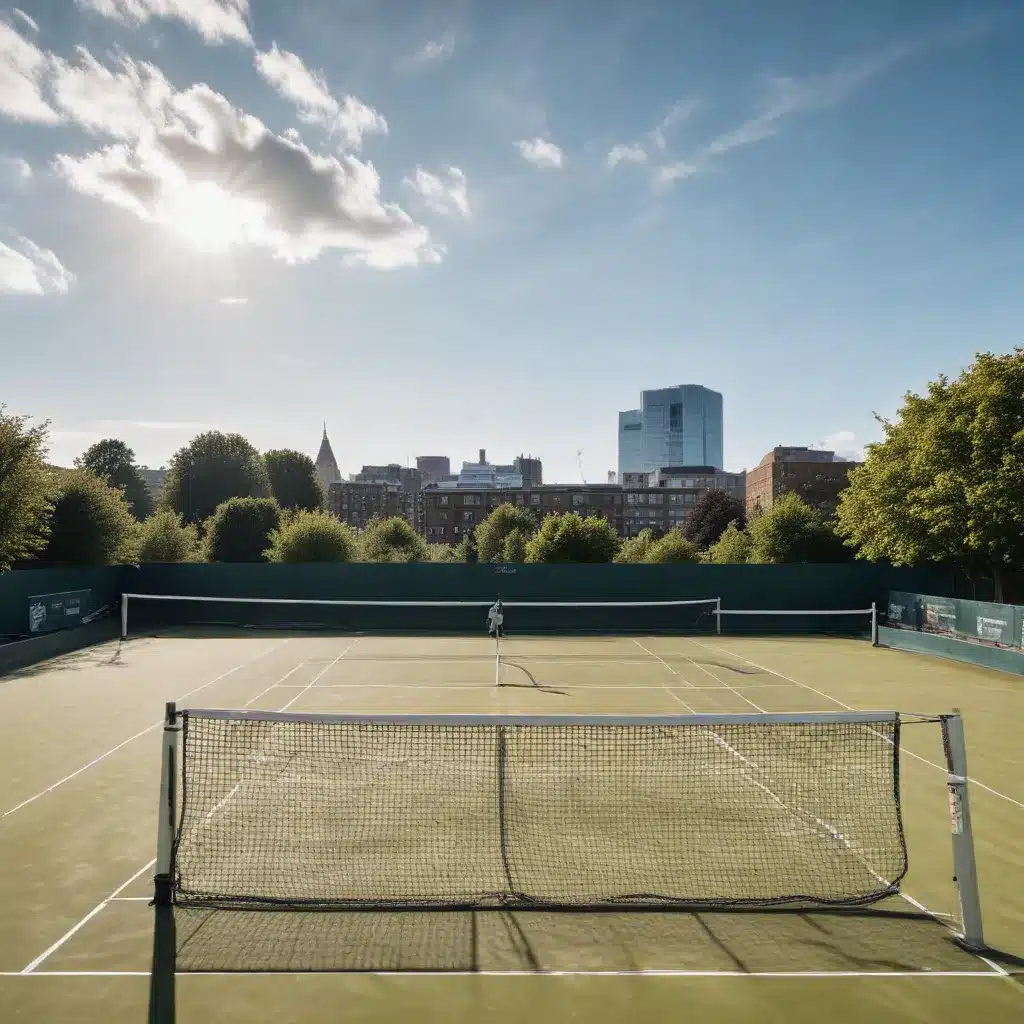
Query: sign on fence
1001	624
47	612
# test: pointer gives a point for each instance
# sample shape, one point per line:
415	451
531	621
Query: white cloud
435	51
541	153
25	19
626	154
192	162
669	174
308	90
217	21
18	168
233	300
23	67
843	443
28	269
680	112
442	194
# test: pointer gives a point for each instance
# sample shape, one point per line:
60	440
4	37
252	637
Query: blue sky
446	226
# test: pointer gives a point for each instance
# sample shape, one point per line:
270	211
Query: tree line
946	484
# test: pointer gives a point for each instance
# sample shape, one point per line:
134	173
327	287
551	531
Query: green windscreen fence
1001	624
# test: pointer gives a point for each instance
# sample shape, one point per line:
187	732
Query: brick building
357	502
815	474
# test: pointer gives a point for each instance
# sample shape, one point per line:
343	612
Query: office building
357	502
524	471
817	475
433	468
676	426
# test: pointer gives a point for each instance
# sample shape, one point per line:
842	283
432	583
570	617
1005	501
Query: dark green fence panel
1001	624
94	588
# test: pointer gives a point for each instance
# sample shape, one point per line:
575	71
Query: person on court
495	617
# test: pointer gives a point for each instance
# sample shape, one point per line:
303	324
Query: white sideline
124	743
835	700
996	972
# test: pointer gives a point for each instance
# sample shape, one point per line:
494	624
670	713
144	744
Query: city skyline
495	225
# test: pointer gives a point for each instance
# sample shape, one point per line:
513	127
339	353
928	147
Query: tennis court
80	742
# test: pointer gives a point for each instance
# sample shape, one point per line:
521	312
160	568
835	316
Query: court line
124	743
670	668
88	917
563	686
650	973
835	700
321	674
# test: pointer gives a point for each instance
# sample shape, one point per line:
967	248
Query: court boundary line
476	685
835	700
124	743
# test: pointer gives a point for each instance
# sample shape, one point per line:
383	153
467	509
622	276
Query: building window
657	499
467	517
578	500
690	498
444	517
631	498
471	499
443	500
675	417
534	499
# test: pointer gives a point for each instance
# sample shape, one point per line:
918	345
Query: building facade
433	468
482	474
357	502
631	445
817	475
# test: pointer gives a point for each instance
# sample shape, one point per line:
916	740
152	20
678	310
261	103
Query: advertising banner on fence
47	612
1001	624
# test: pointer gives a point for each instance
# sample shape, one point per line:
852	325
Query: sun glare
209	217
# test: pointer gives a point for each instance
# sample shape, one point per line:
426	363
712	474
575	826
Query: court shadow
863	941
533	683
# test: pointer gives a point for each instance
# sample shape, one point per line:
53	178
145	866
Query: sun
209	217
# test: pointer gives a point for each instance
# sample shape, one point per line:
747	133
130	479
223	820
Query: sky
445	226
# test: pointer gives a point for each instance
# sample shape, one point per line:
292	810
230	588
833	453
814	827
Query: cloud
27	21
28	269
442	194
18	168
541	153
23	67
217	21
668	174
626	154
308	90
435	51
192	162
679	113
233	300
842	442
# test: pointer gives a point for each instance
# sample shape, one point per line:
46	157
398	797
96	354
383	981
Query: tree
514	548
114	462
209	470
163	537
392	540
491	533
91	523
634	549
443	553
571	538
312	536
732	547
673	547
792	531
240	529
293	480
25	491
946	483
711	515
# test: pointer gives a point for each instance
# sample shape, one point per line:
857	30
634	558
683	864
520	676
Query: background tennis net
385	811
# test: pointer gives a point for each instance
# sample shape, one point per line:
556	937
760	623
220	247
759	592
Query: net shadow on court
463	941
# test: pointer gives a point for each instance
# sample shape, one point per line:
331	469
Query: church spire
326	464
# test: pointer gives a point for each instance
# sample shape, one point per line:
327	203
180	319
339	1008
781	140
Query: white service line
835	700
320	675
88	917
150	728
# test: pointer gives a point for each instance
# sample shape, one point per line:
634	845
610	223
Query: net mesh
338	813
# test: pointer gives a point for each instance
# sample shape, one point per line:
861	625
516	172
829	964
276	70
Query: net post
874	624
718	615
965	872
124	616
162	881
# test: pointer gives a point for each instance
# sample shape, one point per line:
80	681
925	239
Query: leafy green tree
731	548
91	523
25	489
571	538
514	548
240	529
293	480
947	481
715	510
114	462
163	537
392	540
634	549
491	533
673	547
209	470
312	536
793	531
443	553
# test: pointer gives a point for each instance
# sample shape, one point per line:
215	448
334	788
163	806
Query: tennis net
840	622
296	810
147	613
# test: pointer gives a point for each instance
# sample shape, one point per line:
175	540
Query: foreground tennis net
277	810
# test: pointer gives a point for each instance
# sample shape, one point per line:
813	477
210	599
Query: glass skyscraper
677	426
